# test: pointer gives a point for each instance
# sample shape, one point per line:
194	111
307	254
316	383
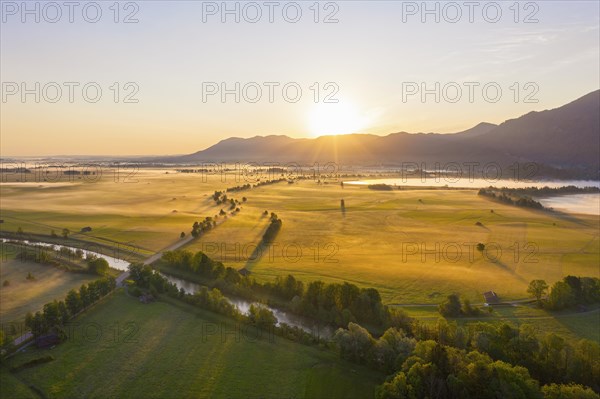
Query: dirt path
179	243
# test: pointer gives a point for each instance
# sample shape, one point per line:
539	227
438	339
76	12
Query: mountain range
563	142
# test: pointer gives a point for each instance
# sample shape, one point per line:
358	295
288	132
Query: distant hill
565	141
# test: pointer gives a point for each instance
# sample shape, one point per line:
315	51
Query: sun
339	118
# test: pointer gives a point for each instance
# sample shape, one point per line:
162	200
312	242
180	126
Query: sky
158	77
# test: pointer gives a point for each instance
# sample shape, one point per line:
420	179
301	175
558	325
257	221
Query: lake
572	203
588	204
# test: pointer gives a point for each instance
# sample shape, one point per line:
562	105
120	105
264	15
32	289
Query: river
306	324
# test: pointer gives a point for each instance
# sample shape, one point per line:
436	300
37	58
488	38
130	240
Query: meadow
122	348
414	246
571	325
23	295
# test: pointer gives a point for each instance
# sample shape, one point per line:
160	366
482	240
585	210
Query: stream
243	305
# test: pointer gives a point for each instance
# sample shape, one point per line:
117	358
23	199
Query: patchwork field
163	349
414	246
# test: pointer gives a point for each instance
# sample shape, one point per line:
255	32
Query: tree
182	235
561	296
452	306
355	343
29	320
63	312
73	302
66	232
571	391
20	230
262	317
590	289
537	289
98	266
52	314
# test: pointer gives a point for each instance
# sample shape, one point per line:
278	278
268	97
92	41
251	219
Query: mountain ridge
565	138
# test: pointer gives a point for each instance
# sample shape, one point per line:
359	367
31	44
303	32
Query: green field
414	246
23	295
570	324
169	349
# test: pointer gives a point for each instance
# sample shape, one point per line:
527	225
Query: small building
244	272
48	340
86	229
490	297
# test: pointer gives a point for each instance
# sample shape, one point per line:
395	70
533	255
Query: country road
181	242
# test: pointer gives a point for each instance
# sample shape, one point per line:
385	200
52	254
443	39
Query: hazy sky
375	60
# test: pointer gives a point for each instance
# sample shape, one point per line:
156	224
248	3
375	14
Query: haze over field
320	200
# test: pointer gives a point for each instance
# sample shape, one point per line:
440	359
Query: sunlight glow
340	118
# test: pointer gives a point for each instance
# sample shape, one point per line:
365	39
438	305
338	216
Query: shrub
135	291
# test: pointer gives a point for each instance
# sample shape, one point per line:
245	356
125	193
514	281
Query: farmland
165	348
414	246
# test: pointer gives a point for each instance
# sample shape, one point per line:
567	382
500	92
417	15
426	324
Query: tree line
64	258
332	303
504	355
272	230
567	293
511	199
480	360
56	314
147	279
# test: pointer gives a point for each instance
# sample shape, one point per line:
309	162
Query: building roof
490	297
244	272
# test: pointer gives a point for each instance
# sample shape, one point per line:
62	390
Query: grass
571	324
11	387
414	246
170	349
23	295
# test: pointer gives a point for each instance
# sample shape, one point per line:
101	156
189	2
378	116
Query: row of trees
336	304
452	307
444	361
272	229
339	304
199	228
58	257
567	293
201	265
511	199
213	300
56	314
